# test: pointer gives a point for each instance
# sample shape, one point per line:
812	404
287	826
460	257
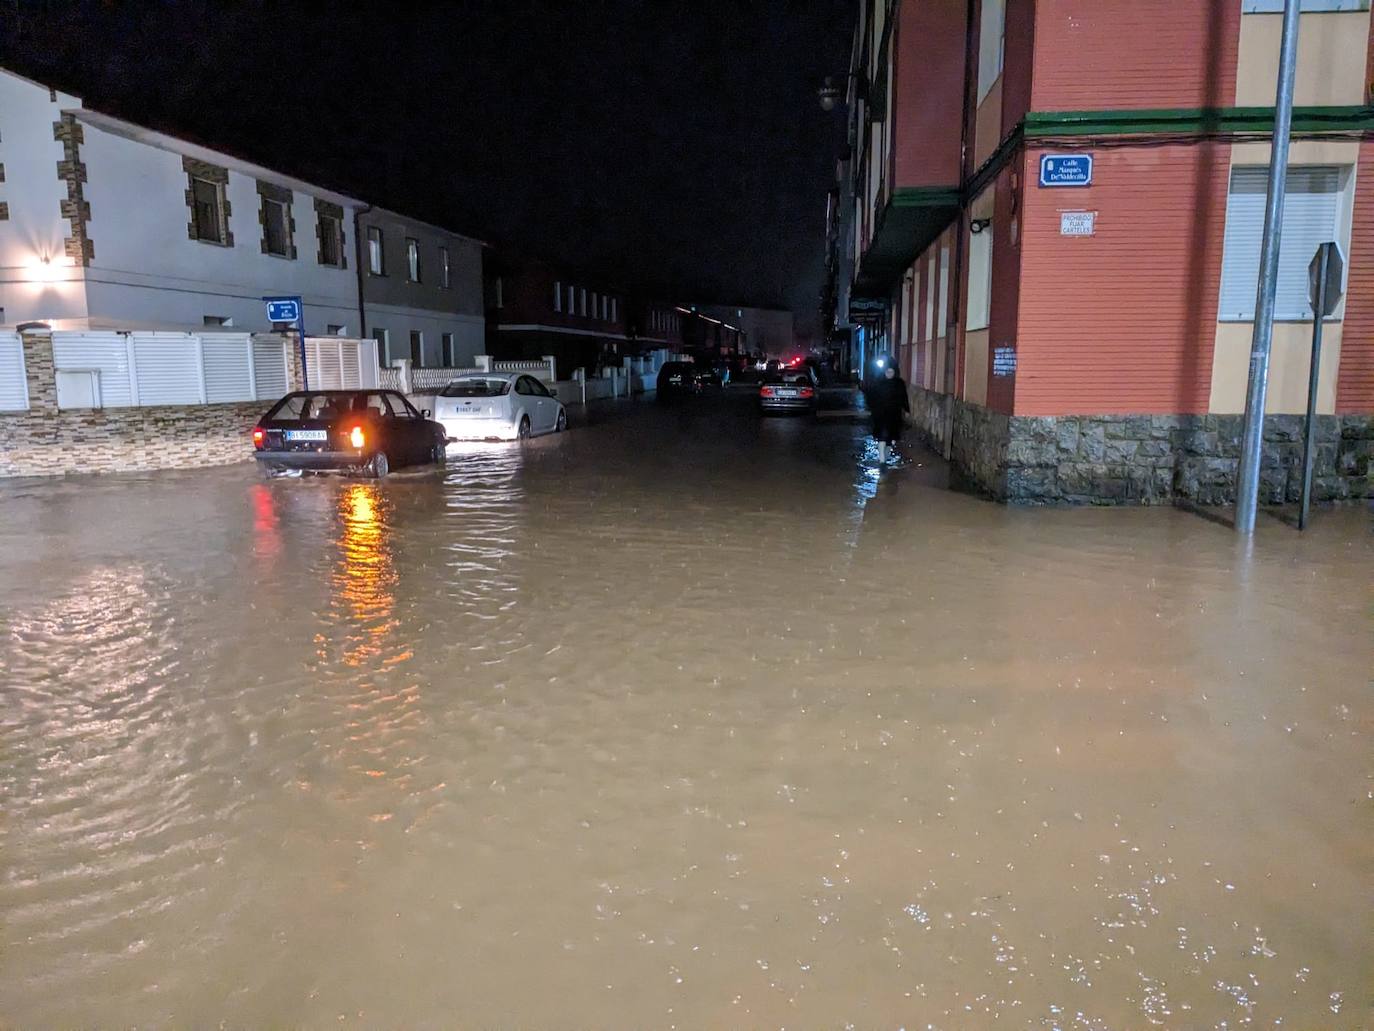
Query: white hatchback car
498	406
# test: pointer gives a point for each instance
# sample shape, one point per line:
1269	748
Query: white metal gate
341	363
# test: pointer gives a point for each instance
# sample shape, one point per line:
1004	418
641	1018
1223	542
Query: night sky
672	147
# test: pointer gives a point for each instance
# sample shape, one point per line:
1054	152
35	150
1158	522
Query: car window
373	403
476	388
326	407
289	408
400	407
522	385
540	389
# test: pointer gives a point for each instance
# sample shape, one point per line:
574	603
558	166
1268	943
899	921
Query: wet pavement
684	718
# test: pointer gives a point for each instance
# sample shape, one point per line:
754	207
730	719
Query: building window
336	331
376	253
412	259
1314	211
991	41
445	270
979	281
329	232
383	338
329	228
417	348
572	300
582	306
614	314
208	210
557	296
447	342
208	320
276	228
500	293
595	301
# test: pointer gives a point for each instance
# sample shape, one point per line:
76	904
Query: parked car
709	375
678	379
360	431
791	391
498	406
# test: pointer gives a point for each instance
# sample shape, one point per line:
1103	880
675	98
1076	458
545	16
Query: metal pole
300	326
1312	371
1252	439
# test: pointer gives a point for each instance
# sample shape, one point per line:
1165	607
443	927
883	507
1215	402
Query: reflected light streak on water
684	719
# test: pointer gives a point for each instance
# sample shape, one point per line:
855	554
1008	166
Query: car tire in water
562	423
439	454
524	431
378	466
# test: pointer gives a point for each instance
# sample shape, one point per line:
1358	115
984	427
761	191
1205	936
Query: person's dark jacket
887	400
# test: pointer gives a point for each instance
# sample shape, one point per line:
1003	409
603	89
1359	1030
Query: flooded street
683	718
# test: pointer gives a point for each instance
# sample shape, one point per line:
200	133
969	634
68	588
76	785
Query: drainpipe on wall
957	272
358	213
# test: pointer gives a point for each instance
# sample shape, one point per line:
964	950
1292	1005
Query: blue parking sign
1066	169
283	309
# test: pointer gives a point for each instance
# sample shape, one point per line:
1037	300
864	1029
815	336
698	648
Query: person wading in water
889	403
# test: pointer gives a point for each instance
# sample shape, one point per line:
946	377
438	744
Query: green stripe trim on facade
1195	120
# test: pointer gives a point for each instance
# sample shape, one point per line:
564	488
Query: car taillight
766	392
355	437
258	436
807	392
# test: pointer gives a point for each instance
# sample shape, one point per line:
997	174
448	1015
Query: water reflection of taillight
355	437
258	436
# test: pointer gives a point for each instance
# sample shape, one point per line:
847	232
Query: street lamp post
1252	439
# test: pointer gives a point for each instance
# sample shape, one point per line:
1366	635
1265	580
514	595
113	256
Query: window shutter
14	388
103	353
269	367
168	369
226	367
1310	212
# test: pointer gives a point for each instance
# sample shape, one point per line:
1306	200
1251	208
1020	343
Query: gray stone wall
1143	459
45	441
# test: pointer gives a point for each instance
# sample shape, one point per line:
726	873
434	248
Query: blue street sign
283	309
1066	169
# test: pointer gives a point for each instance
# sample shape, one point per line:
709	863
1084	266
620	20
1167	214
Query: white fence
407	378
121	370
341	363
14	386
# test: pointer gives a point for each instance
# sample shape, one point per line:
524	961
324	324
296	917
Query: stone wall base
1141	459
106	440
50	441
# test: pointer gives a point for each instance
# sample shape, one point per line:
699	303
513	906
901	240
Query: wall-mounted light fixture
979	224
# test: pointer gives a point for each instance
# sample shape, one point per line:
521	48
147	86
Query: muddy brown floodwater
680	719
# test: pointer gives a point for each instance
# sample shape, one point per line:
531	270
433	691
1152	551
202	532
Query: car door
406	429
528	400
548	406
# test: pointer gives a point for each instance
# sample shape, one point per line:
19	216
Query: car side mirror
425	413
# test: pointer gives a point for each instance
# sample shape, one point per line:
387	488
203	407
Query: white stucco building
109	225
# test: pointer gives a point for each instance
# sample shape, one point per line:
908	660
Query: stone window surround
281	195
209	173
327	210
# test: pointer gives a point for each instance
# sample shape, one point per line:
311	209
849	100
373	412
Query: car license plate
307	434
787	392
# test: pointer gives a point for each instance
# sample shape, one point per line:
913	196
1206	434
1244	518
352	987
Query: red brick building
1091	342
534	309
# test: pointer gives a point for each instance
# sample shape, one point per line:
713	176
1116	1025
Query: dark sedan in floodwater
360	431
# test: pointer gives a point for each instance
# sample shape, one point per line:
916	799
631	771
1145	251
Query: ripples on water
684	719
